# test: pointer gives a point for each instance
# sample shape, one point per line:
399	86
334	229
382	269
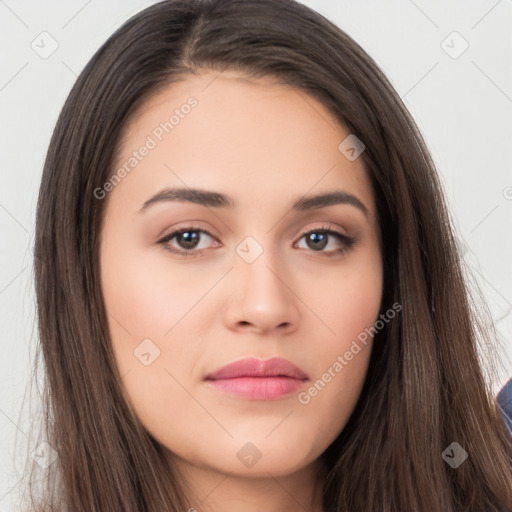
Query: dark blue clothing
505	402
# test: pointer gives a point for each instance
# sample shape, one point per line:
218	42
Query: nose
262	298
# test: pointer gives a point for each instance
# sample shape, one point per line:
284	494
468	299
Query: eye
187	241
319	239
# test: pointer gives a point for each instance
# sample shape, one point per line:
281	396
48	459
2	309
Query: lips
252	367
255	379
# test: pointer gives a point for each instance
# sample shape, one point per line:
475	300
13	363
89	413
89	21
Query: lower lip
258	388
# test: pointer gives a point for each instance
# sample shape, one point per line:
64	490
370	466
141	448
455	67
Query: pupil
319	240
189	239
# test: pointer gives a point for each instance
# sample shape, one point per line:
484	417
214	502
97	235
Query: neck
216	491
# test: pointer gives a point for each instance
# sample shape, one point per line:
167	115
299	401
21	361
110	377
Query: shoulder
504	399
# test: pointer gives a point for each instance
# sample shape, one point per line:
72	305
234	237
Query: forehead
253	139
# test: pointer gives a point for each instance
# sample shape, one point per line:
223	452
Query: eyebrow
218	200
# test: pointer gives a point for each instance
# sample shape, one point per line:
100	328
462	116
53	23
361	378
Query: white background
463	106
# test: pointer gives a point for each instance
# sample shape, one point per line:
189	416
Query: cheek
349	311
145	314
152	326
348	300
143	299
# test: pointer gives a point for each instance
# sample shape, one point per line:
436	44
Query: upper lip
253	367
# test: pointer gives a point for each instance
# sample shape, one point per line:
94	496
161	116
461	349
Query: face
251	268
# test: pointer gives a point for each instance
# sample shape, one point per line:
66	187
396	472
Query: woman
248	287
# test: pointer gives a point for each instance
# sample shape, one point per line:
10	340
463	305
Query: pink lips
257	379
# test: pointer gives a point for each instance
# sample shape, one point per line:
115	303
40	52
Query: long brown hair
425	388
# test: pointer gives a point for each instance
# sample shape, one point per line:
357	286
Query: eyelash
346	240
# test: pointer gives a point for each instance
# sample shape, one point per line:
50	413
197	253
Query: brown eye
185	241
319	239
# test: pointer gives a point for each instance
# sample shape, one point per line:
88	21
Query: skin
266	145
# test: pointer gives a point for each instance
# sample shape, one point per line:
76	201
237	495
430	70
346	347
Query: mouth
258	380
